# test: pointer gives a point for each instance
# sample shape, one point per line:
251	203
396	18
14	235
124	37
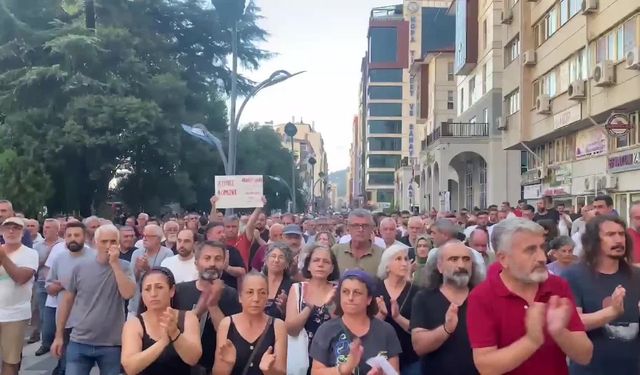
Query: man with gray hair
91	224
522	320
389	232
439	313
360	252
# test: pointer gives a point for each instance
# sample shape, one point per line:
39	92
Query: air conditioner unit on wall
503	123
507	16
589	6
576	90
543	104
529	58
633	59
604	73
611	182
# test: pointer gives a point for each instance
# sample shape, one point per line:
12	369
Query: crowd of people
506	290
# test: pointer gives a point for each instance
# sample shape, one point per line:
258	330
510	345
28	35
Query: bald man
275	235
389	231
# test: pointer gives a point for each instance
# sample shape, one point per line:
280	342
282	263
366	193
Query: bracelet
444	327
177	337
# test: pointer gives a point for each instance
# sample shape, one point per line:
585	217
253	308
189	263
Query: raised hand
375	371
169	323
215	293
267	361
451	318
213	200
227	352
558	314
534	322
382	308
354	358
281	301
395	309
331	297
114	254
617	299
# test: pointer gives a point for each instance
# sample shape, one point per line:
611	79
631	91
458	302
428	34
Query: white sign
567	117
239	191
532	191
384	205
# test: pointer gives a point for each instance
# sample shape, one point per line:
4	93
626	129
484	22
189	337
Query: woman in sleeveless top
251	342
161	340
276	267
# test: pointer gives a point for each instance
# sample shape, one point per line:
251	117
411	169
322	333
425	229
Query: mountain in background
339	178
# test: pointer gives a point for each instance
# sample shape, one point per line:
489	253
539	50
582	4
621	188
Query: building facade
308	144
572	66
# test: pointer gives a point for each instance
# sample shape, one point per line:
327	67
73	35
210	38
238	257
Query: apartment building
355	173
382	122
569	66
307	144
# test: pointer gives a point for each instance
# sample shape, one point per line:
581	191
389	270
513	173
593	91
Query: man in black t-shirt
234	269
546	210
439	312
208	297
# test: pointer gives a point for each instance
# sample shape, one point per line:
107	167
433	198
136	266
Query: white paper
239	191
383	364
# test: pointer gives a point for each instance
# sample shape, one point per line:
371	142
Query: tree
25	184
83	106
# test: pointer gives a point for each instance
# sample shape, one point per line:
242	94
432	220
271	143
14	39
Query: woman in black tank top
251	343
161	340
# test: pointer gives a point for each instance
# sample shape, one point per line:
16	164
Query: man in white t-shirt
183	265
18	265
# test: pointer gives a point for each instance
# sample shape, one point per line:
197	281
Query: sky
327	39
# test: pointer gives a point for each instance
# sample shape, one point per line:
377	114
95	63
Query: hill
339	178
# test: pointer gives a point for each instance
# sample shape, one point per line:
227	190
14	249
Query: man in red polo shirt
634	231
522	320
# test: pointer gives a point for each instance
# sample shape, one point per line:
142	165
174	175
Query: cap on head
14	220
292	229
361	276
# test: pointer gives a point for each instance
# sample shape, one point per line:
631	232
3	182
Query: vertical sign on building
461	35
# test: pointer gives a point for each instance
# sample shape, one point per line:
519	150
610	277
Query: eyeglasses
150	236
360	226
276	257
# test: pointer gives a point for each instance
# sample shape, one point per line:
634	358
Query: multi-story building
355	175
381	104
571	65
466	164
308	144
430	94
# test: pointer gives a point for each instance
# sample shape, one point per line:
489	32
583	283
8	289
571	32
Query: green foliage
81	107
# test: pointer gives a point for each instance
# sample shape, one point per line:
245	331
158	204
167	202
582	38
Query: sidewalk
43	365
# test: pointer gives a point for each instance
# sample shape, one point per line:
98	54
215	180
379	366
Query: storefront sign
560	175
412	28
412	109
567	117
532	191
624	162
412	85
530	177
590	142
618	124
411	139
557	191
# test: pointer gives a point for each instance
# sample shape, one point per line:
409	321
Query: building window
461	100
512	102
383	45
630	138
385	92
381	178
383	161
385	75
552	21
483	184
384	196
512	50
564	11
536	91
617	43
630	37
485	79
485	114
450	71
484	43
385	144
468	185
472	90
385	127
385	109
450	104
557	16
575	6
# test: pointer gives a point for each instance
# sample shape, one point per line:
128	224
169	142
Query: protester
275	235
234	268
276	269
6	211
360	252
561	249
183	265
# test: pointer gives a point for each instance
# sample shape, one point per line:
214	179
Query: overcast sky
327	38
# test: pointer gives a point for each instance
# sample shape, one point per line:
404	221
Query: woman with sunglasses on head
396	293
344	344
251	342
276	268
161	340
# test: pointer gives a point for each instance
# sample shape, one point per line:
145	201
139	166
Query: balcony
391	12
458	130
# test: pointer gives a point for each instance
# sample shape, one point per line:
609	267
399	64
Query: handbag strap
258	344
300	289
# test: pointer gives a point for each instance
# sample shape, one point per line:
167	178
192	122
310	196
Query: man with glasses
360	252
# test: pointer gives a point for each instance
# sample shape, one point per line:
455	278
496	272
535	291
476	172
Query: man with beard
261	235
127	241
521	320
439	312
234	268
605	285
183	265
60	269
208	297
603	205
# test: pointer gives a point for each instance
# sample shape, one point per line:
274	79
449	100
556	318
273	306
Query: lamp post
290	129
312	161
283	182
200	132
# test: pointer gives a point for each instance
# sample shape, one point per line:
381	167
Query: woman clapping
161	340
278	260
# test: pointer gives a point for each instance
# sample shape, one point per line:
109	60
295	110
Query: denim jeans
82	357
48	326
413	369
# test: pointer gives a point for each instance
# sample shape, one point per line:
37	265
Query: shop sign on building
530	177
590	142
532	191
560	175
625	162
412	28
567	117
557	191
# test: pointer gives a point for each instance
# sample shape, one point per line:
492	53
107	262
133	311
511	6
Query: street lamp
200	132
283	182
290	129
312	162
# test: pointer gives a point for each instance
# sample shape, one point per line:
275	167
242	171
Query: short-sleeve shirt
454	356
62	269
243	245
186	298
43	253
98	307
183	270
330	345
153	261
496	317
235	260
405	300
368	263
550	214
635	236
616	346
15	299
